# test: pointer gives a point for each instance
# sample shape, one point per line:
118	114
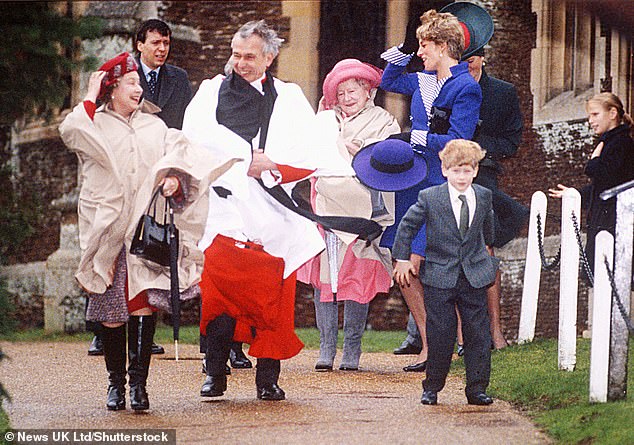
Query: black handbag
152	239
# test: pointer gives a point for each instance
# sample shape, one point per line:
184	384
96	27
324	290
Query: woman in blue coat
445	105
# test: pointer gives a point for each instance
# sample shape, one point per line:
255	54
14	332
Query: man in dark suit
500	135
163	84
457	269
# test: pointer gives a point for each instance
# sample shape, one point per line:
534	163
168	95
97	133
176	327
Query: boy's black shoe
479	398
429	398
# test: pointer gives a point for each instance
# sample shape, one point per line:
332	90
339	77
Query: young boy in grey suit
457	269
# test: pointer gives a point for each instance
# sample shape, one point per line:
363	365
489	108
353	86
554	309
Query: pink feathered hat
348	69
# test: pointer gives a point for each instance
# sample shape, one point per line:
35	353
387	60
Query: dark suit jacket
501	124
447	253
500	134
172	95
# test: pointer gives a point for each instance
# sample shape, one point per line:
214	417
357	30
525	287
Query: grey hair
228	67
259	28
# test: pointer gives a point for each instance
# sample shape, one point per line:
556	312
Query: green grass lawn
526	376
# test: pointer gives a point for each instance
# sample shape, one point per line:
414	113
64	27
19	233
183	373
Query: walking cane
332	250
174	291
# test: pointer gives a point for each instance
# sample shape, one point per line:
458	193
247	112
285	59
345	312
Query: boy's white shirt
456	204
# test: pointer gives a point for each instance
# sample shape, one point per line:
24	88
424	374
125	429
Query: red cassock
243	281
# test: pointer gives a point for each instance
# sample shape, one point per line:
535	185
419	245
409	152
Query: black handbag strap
366	229
168	206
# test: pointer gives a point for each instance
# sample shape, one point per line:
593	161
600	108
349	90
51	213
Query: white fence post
601	314
619	339
568	280
532	270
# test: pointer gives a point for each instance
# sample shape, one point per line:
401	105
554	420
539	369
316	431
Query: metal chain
616	296
582	251
540	245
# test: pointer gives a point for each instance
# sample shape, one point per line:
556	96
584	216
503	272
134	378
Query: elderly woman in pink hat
350	271
125	152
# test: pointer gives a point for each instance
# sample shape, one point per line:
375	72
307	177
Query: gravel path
56	385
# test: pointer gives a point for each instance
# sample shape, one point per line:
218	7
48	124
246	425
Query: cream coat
121	162
345	195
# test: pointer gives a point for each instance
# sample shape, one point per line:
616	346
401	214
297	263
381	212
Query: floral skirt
113	305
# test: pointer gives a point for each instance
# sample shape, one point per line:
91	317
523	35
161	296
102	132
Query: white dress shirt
146	70
456	204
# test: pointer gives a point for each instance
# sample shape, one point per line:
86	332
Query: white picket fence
608	357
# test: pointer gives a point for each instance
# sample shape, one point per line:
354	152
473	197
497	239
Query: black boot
237	358
140	337
218	340
266	374
96	345
114	353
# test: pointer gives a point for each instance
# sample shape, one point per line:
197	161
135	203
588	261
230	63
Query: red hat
348	69
116	68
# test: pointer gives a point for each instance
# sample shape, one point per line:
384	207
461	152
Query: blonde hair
459	152
611	100
442	27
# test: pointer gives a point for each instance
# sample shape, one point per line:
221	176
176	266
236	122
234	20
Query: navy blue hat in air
389	166
478	22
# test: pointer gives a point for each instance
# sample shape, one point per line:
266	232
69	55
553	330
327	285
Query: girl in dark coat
611	163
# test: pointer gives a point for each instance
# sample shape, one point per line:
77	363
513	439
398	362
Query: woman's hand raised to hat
411	44
94	85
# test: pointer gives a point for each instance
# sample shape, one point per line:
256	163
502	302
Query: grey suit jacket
172	95
447	252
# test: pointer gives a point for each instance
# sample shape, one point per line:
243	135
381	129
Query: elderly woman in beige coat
350	269
125	152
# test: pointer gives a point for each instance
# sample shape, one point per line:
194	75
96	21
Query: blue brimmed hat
478	24
389	166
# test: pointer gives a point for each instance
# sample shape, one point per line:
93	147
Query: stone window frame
576	55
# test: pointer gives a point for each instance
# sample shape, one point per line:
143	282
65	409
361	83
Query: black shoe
157	349
407	349
138	398
460	350
417	367
348	368
214	386
237	358
479	398
116	398
320	366
429	398
271	392
96	346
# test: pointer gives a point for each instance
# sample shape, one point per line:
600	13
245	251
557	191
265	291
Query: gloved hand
410	45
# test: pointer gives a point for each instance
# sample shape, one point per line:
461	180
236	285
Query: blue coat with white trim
460	94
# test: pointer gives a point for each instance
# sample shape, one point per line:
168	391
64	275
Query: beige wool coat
346	196
121	161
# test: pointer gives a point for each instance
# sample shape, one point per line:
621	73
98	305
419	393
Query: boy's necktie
464	215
